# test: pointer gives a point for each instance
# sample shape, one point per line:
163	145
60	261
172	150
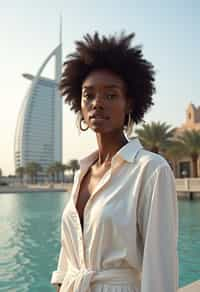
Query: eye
87	96
110	96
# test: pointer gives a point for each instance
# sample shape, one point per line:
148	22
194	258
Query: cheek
83	107
119	110
82	104
84	110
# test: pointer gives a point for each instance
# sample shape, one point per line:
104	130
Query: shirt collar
128	152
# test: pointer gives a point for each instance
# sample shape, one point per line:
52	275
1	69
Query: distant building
192	122
38	135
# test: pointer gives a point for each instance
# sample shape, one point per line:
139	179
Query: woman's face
104	104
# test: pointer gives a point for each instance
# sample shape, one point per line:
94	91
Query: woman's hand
57	286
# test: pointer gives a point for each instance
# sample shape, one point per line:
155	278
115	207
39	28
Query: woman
119	228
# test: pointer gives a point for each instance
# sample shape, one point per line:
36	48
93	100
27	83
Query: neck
109	144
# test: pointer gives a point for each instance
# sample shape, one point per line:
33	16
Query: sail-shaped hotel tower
38	135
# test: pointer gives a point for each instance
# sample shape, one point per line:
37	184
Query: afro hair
116	54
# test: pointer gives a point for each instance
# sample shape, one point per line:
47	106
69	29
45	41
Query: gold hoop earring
81	127
129	120
129	126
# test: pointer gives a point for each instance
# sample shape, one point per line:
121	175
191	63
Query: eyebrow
107	86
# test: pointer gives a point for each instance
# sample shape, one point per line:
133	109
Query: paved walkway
193	287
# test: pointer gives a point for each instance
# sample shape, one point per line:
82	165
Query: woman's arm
59	274
159	228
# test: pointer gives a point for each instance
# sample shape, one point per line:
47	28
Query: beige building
192	122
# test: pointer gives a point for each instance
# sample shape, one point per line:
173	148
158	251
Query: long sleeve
159	229
59	274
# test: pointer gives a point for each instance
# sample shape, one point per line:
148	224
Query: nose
98	101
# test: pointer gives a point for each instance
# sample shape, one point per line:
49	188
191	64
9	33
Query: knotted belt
80	280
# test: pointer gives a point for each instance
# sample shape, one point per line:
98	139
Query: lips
98	116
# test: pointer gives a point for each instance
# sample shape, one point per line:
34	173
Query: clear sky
168	30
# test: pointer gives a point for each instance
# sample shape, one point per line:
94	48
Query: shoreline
66	187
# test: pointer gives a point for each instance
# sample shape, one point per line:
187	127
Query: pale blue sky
168	30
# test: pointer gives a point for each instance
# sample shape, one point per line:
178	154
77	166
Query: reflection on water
30	240
189	241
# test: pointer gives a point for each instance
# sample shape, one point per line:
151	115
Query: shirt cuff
57	277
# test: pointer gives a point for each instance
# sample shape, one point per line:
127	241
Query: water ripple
29	240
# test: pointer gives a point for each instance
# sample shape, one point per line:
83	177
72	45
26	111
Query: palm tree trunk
194	165
73	173
175	168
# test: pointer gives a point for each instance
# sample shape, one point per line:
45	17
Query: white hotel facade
38	135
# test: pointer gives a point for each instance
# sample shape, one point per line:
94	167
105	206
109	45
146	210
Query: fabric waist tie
81	280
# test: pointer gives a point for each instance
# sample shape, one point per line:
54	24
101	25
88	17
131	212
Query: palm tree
190	146
173	154
73	165
55	169
32	168
51	171
58	169
63	168
155	136
20	171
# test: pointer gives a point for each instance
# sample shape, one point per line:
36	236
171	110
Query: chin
100	130
103	130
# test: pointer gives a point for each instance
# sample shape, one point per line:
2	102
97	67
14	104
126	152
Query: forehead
103	78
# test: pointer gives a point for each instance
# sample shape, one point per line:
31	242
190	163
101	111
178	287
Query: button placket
80	241
85	225
85	230
82	235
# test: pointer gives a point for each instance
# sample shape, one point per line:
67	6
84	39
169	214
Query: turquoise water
30	234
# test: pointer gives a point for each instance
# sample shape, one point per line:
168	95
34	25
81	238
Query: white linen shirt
130	233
